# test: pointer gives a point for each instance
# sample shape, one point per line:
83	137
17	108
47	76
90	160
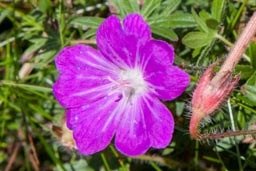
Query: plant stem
196	155
117	156
224	40
105	161
226	134
220	159
237	50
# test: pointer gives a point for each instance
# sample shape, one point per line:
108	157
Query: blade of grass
105	161
235	19
61	24
157	168
234	129
26	86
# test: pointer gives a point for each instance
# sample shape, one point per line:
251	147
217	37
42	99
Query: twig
34	155
13	157
33	158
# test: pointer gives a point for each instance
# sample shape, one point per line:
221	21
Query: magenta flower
115	91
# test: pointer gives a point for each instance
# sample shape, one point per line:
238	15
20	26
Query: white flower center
129	85
133	81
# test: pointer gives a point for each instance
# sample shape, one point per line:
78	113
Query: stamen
131	83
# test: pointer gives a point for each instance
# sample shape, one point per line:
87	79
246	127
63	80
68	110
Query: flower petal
82	58
147	123
159	120
169	84
120	45
132	136
92	125
110	40
166	80
84	76
135	25
156	55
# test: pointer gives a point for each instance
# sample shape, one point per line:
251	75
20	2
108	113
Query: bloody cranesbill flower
115	90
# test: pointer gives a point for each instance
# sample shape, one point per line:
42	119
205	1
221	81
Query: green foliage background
32	32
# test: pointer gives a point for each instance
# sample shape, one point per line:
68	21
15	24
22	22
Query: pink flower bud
210	92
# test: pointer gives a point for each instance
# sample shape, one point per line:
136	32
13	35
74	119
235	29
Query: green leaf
3	155
201	23
245	70
126	7
45	57
90	22
209	158
204	15
169	150
251	52
250	88
90	33
241	119
252	2
197	39
170	6
4	13
37	43
164	32
132	6
252	80
44	5
179	20
217	9
227	143
212	23
248	105
149	6
196	52
179	108
39	110
116	5
78	165
250	92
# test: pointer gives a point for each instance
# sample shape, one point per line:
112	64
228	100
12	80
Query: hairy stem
238	49
226	134
224	40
